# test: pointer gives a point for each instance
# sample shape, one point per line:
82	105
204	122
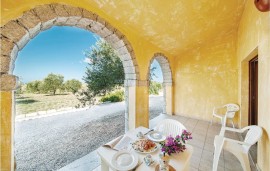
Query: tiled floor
203	137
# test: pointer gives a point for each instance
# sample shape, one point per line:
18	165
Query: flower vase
164	162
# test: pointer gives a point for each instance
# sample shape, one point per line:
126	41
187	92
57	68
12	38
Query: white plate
156	136
124	160
137	149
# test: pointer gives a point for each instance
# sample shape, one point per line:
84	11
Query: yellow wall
6	133
144	51
206	77
254	38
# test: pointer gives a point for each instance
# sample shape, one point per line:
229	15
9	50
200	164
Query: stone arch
167	80
18	32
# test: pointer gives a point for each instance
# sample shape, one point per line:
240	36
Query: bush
116	96
155	87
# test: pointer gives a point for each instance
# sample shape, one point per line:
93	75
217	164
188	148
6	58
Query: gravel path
53	142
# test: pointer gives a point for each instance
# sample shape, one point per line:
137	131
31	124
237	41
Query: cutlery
149	131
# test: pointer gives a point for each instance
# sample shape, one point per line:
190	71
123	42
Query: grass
29	103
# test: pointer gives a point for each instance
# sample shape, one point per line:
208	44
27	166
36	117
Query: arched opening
17	33
166	81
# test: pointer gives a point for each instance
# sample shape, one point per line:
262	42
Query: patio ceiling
174	26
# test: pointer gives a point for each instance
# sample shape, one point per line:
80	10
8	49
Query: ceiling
172	25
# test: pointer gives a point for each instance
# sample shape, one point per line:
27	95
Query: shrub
116	96
155	87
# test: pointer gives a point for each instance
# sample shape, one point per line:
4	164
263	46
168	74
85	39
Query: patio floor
203	137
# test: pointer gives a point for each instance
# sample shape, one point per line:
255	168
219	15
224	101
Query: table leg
104	166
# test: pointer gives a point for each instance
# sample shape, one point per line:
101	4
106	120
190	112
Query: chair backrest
231	110
170	127
253	135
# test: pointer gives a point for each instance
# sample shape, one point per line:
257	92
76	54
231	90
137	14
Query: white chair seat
238	148
231	109
170	127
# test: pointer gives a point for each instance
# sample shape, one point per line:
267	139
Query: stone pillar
126	109
7	85
130	100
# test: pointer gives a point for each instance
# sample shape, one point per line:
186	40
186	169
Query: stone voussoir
60	10
13	31
131	76
8	82
45	13
29	20
89	15
104	33
73	11
128	63
4	64
101	21
6	46
72	21
84	23
130	70
123	50
110	27
118	44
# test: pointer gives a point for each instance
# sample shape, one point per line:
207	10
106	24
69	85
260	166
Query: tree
154	87
34	86
104	73
105	70
73	85
53	82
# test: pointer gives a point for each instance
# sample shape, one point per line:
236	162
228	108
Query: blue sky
59	50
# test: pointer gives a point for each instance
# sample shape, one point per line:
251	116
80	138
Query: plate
138	147
156	136
124	160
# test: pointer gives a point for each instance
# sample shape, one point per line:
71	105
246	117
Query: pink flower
177	144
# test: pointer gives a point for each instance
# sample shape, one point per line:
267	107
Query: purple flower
175	144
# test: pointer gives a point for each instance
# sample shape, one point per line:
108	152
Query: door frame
253	72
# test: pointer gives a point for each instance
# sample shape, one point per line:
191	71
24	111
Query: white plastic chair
238	148
170	127
231	110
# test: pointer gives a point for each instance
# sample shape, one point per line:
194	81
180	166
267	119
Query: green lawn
28	103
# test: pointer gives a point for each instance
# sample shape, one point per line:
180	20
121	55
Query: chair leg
223	121
244	162
217	152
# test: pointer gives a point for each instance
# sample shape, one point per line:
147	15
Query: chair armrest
223	129
236	141
215	108
236	130
233	129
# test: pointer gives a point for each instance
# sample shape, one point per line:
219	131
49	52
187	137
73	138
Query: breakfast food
144	146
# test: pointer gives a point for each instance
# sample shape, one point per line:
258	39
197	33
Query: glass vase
164	162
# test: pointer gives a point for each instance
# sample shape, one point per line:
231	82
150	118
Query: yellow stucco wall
6	133
144	51
253	39
206	77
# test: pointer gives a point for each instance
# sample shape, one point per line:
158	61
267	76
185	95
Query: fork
148	131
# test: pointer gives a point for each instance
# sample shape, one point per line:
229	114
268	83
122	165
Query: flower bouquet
175	144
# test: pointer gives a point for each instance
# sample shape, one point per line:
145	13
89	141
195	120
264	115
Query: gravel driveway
53	142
